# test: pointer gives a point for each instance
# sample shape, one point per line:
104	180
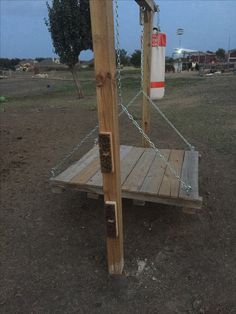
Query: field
53	250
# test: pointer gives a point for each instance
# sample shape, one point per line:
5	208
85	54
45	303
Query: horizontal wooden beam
149	5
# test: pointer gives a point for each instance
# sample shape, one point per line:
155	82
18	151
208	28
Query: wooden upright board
105	68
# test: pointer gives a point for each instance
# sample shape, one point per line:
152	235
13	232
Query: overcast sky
207	26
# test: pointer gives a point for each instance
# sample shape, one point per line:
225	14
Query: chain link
191	147
185	186
117	36
142	47
55	170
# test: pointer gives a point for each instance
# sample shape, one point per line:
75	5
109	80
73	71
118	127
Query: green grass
211	119
183	82
203	123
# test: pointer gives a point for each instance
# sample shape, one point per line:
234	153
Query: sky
207	25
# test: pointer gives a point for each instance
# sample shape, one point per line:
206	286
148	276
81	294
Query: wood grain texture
129	162
96	180
170	184
84	175
189	175
102	22
147	4
70	172
146	187
155	174
136	177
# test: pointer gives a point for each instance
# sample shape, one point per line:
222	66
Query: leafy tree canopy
39	59
9	64
220	53
169	59
70	28
124	57
135	59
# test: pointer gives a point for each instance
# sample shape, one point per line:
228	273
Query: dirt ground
52	246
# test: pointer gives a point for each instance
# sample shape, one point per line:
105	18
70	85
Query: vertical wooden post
147	43
105	66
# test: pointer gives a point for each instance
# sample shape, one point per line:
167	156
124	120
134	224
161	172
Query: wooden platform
143	176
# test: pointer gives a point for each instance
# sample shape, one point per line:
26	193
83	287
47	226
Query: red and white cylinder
157	84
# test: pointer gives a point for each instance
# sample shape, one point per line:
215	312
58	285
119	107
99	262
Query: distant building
203	57
232	55
56	60
26	65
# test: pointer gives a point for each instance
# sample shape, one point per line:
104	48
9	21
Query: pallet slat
84	175
155	174
170	184
190	175
144	176
135	179
70	172
96	180
130	161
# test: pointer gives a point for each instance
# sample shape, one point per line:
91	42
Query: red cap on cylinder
159	40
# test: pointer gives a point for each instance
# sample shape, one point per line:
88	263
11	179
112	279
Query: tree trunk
77	82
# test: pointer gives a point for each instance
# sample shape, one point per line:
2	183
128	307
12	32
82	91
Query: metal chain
117	36
117	33
191	147
56	169
142	48
185	186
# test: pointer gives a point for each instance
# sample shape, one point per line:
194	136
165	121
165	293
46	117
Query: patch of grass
131	83
135	71
211	121
202	123
90	106
53	92
183	81
89	88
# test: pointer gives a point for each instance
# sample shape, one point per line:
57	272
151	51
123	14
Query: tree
9	64
220	53
70	28
169	60
135	59
124	58
39	59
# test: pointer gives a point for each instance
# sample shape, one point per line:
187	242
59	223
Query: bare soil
52	247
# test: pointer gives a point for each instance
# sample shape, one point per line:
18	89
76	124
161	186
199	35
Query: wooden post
105	67
147	44
147	4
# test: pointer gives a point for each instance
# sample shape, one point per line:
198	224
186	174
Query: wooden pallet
144	176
